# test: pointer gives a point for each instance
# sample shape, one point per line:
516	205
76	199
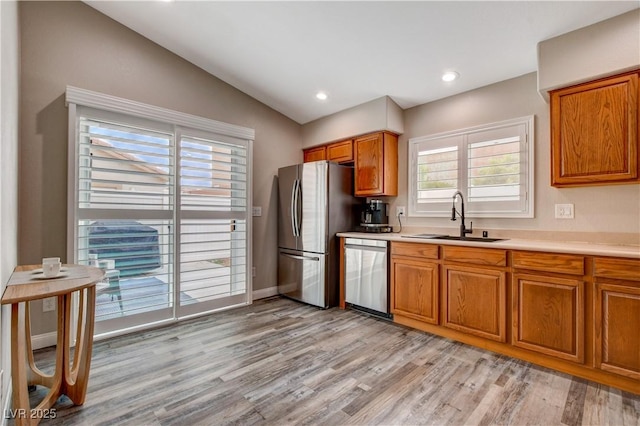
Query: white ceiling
282	53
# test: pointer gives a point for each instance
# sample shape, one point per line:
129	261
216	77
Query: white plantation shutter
494	169
491	165
213	212
124	167
213	175
437	171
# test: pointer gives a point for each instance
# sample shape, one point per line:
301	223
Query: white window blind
494	168
491	165
124	167
437	177
213	175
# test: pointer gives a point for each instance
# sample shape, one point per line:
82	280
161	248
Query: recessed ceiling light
450	76
322	96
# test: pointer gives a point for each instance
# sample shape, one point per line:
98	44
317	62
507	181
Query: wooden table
71	373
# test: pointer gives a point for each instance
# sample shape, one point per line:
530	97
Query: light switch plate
256	211
564	211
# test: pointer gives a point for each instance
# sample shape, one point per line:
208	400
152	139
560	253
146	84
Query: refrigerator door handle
294	216
299	207
294	256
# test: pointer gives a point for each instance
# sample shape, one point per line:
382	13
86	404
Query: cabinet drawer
560	263
340	152
622	269
476	256
425	251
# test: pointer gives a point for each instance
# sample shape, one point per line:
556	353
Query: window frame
460	138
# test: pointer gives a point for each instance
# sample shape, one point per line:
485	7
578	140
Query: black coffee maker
374	216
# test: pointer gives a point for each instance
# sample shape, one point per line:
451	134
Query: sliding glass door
163	209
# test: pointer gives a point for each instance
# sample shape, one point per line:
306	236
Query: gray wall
69	43
598	209
8	173
605	48
379	114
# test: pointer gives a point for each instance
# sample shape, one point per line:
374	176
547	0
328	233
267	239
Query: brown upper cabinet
594	132
315	154
340	152
376	164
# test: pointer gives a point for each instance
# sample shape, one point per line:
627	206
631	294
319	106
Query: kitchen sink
453	238
425	236
476	239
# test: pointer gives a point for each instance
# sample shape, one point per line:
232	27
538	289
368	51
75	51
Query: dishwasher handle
367	248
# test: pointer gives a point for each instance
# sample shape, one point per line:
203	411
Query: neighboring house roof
151	172
135	162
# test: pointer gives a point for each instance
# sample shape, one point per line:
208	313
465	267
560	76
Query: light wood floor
279	362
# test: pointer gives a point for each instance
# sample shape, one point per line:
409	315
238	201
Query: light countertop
590	249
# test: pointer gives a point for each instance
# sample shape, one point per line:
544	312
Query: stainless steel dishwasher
366	275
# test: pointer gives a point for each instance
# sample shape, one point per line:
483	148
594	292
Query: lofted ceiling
283	53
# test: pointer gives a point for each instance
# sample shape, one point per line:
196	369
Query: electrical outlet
564	211
49	304
256	211
400	211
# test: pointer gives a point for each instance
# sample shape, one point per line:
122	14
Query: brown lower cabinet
475	301
417	277
417	290
570	312
548	315
475	291
617	326
617	316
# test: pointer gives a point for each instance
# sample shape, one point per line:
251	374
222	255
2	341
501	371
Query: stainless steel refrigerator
315	202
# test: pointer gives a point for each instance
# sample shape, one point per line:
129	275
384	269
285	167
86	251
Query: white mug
51	266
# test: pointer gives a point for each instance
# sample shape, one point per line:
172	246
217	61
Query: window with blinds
161	207
491	165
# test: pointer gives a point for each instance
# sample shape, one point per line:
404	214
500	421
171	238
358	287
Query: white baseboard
50	339
6	403
265	292
45	340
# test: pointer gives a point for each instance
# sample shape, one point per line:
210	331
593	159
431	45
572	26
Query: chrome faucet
463	229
